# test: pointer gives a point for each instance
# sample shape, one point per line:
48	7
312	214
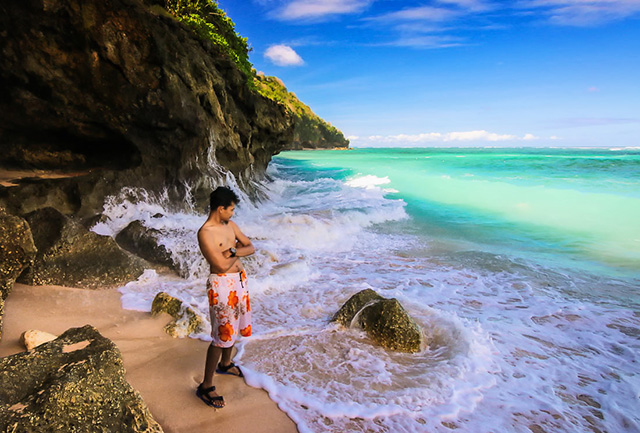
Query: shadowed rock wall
117	93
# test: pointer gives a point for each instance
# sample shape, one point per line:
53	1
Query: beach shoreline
163	369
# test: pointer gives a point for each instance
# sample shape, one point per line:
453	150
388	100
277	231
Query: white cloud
426	42
421	13
472	5
586	12
283	55
318	9
479	136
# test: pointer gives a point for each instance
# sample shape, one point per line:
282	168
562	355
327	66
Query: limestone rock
75	383
1	315
384	320
357	302
185	322
119	94
34	338
91	221
144	242
70	255
17	252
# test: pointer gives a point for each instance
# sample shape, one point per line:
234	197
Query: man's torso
222	238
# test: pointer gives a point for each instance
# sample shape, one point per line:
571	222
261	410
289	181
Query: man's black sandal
203	394
225	370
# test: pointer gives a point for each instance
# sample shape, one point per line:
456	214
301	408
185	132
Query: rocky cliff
113	93
310	131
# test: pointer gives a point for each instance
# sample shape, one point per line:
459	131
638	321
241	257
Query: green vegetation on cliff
310	130
212	23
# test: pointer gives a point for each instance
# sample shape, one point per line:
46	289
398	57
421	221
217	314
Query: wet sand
163	369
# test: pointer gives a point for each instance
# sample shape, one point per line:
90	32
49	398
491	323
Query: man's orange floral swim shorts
229	307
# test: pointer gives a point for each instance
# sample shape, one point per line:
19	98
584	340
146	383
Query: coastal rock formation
17	252
384	320
185	322
74	383
354	304
70	255
309	131
144	242
119	93
34	338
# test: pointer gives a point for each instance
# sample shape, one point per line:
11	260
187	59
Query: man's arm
245	247
217	260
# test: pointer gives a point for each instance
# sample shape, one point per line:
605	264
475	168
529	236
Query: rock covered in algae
185	322
384	320
145	242
74	383
17	252
348	311
70	255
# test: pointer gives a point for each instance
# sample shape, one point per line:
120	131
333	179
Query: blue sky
456	72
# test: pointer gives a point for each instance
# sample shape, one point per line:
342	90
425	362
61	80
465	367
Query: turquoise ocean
522	266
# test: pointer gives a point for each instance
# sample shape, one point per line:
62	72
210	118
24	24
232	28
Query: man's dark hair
222	196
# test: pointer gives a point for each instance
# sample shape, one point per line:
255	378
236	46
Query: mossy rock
384	320
70	255
1	315
144	242
75	383
185	322
17	250
357	302
389	324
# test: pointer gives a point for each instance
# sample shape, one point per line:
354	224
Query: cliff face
310	131
114	93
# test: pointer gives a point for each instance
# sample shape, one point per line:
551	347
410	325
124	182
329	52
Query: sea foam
511	346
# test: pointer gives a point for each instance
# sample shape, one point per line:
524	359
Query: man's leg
213	356
211	397
226	360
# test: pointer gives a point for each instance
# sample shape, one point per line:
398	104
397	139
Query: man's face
227	212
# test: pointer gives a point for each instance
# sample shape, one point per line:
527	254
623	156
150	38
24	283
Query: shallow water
521	272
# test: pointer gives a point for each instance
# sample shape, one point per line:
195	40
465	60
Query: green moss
185	322
211	23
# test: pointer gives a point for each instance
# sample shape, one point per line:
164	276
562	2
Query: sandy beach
163	369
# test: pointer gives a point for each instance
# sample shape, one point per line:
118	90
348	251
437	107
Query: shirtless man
222	244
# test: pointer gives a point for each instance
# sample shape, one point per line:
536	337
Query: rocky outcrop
70	255
17	252
309	131
33	338
354	304
118	93
144	242
185	322
74	383
384	320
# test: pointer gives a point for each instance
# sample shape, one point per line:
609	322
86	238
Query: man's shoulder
207	229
